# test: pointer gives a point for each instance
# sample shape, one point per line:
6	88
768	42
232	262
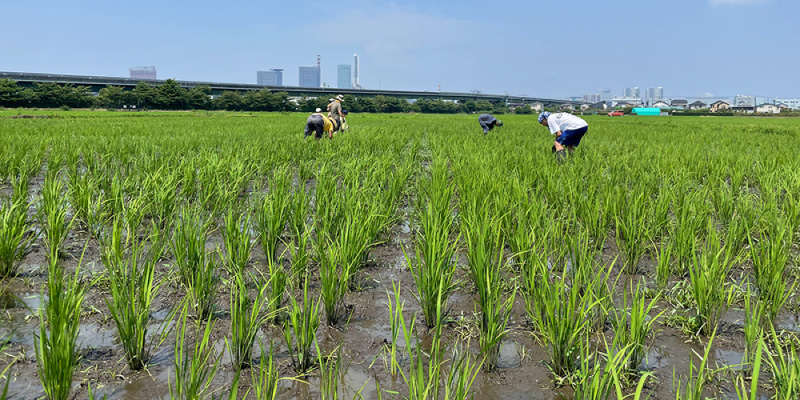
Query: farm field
181	255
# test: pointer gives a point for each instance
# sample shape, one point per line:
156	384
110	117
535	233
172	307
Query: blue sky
539	48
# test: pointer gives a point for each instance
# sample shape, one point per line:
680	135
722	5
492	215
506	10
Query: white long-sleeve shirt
560	122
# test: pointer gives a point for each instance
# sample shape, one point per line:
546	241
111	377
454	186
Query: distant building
744	100
273	77
767	108
345	73
794	104
697	105
655	94
631	92
748	109
310	77
626	101
718	106
660	104
537	106
591	98
144	73
679	103
356	72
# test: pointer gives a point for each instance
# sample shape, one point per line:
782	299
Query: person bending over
488	122
567	128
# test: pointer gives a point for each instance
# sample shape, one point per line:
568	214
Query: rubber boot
561	156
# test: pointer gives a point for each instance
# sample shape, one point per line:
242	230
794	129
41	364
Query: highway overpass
98	82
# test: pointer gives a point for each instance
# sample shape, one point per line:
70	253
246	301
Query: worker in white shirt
567	128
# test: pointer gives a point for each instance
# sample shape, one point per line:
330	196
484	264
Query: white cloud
734	2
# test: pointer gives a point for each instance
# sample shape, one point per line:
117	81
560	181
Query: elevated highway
98	82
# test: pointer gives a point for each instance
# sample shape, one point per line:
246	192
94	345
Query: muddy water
522	373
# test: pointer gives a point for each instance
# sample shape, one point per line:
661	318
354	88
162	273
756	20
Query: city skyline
691	49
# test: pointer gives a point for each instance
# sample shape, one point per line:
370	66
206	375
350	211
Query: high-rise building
655	94
744	100
345	75
591	98
309	77
605	94
356	72
631	92
273	77
147	73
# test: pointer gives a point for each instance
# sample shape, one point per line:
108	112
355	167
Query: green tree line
171	96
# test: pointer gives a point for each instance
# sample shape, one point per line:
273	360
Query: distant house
537	106
697	105
748	109
718	106
601	105
585	106
784	107
566	107
660	104
679	103
768	109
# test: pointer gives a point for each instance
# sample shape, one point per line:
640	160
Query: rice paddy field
199	255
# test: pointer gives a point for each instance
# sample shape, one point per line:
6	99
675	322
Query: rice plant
334	279
485	255
197	269
265	381
330	371
708	274
298	210
785	366
196	364
298	249
633	231
59	326
634	326
395	314
272	212
663	265
131	265
88	206
247	316
753	328
238	243
52	211
770	258
562	324
300	330
434	263
694	385
16	237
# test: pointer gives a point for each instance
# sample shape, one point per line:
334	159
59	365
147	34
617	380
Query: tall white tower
356	83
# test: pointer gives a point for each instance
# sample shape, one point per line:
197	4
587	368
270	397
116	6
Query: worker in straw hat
335	111
488	122
319	124
567	128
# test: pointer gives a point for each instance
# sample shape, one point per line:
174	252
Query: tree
170	96
10	93
199	98
230	101
145	94
523	110
109	97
